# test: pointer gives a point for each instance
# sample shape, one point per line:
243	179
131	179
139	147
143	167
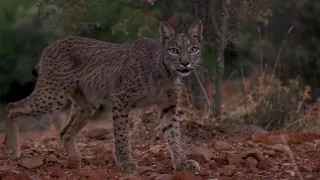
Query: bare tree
222	19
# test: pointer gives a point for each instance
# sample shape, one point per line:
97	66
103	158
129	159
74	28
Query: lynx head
182	52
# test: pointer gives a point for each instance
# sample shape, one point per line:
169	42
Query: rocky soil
248	153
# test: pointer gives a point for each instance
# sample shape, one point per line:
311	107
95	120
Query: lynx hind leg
170	128
59	119
70	120
81	113
37	104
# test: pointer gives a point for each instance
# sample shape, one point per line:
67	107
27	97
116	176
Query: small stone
253	170
263	165
259	138
256	129
98	133
233	159
31	163
255	153
314	177
278	139
220	145
213	165
155	149
52	159
228	170
274	169
56	174
200	154
220	161
269	152
305	169
73	162
292	173
281	148
251	162
251	143
316	143
26	145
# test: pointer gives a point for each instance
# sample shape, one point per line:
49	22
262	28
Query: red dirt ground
242	154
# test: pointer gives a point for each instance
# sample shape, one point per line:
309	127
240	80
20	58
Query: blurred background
261	57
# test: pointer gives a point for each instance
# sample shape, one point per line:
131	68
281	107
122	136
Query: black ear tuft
166	32
196	30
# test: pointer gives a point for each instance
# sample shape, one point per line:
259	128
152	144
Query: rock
31	163
274	169
220	145
251	143
252	170
228	170
255	153
185	175
98	133
164	177
263	165
269	152
278	139
200	154
155	149
256	129
26	145
305	169
57	174
291	172
220	161
316	142
51	159
213	165
73	162
233	159
251	162
259	138
314	177
281	148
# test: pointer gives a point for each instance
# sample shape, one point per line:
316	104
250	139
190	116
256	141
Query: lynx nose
185	64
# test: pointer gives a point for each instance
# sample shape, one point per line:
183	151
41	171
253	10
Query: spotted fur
85	73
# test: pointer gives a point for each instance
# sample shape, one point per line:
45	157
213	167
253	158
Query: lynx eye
174	51
194	51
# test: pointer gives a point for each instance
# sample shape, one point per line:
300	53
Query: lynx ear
166	32
196	30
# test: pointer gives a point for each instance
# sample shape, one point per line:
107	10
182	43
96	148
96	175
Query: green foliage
22	39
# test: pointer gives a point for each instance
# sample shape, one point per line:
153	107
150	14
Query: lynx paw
12	148
128	166
189	165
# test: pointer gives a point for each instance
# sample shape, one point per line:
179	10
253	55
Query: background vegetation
274	40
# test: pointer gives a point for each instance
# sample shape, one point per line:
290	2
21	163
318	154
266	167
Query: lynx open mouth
184	72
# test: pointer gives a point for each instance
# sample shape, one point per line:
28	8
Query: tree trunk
218	78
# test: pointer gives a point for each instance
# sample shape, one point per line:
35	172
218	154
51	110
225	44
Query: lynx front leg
122	147
170	128
11	139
